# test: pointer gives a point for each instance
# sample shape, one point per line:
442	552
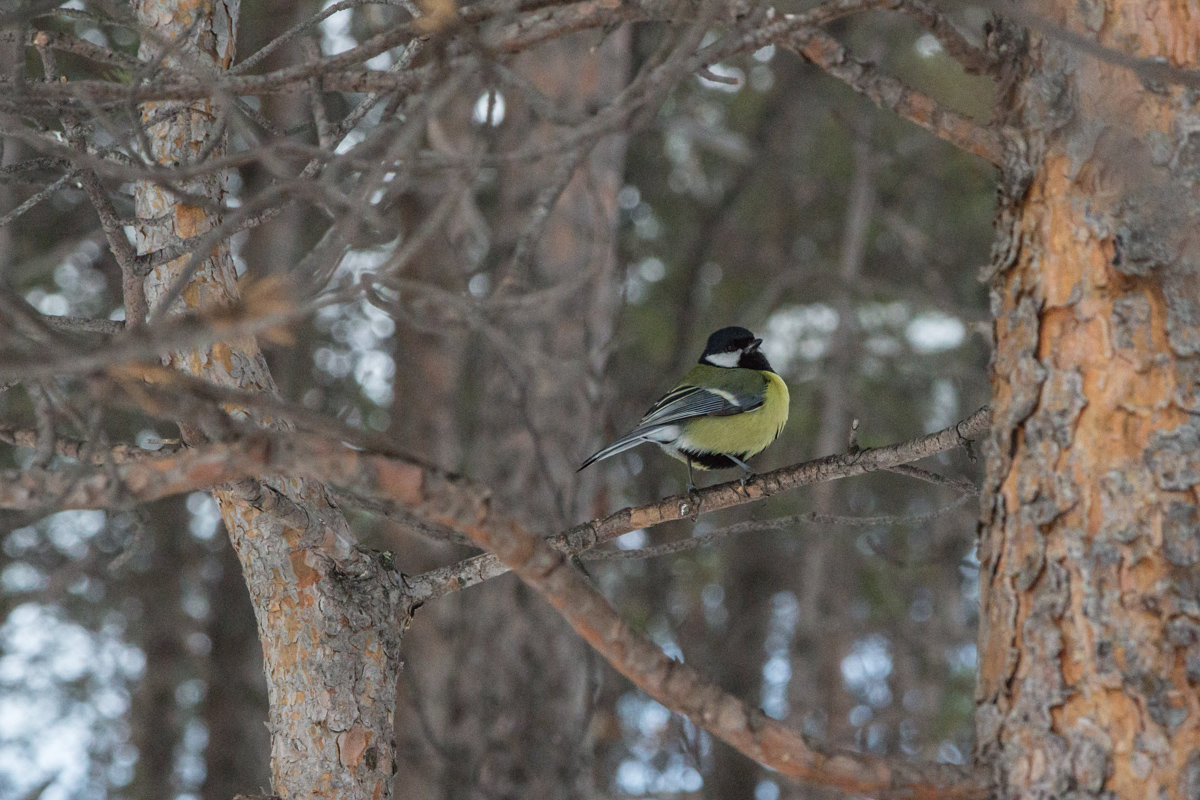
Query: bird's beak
754	345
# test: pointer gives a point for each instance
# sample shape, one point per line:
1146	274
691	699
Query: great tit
727	409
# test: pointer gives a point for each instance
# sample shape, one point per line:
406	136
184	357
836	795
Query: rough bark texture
327	613
1090	633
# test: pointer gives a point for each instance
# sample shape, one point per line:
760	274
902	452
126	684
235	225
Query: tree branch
439	498
776	524
685	691
964	133
435	583
452	503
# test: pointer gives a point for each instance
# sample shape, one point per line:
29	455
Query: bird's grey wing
685	402
661	423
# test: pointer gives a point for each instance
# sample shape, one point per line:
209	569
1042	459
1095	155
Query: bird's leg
747	473
693	494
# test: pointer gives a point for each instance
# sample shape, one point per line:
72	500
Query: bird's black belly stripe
713	460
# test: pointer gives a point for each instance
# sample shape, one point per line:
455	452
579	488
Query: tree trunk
327	613
157	721
510	716
235	699
1090	631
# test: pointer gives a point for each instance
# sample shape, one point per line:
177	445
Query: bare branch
685	691
79	449
87	325
582	537
827	53
450	502
255	316
779	523
973	59
958	484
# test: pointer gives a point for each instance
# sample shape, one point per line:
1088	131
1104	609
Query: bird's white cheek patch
727	360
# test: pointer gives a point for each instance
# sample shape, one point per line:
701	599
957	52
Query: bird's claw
691	508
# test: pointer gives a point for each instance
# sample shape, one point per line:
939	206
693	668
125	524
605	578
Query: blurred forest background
507	346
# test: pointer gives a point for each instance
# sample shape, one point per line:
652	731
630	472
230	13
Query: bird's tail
631	439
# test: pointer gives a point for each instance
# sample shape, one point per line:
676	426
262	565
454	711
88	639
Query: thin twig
779	523
583	537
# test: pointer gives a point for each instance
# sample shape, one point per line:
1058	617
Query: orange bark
1090	633
314	630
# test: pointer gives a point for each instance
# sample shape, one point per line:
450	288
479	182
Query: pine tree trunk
327	614
1090	632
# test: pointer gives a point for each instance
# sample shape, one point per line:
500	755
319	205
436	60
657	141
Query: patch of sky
70	531
963	658
645	224
678	145
943	405
968	570
766	790
762	79
21	540
205	516
948	753
934	332
189	761
637	777
660	634
652	269
20	577
866	668
198	643
82	287
634	540
873	316
479	285
374	372
361	332
927	45
628	197
336	37
196	603
52	304
334	363
656	763
882	346
351	140
727	72
489	109
90	33
777	670
148	439
798	333
860	715
712	599
44	656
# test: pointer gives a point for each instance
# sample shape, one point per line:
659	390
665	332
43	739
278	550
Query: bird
726	409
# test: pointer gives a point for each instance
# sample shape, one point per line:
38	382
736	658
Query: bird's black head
734	347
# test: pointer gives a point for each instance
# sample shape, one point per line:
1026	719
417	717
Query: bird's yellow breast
745	434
